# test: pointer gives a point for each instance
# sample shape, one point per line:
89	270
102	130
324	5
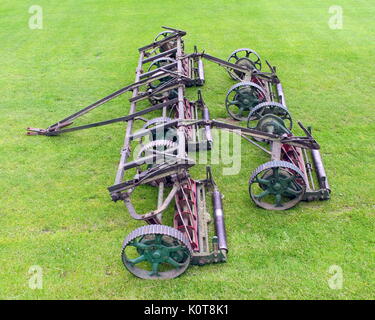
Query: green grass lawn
55	211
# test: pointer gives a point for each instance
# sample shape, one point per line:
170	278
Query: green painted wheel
156	252
242	98
246	58
272	124
277	185
269	108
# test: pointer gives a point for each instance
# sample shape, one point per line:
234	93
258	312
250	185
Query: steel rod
125	152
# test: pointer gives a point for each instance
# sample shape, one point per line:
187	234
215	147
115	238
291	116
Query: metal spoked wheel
168	45
244	57
156	148
158	97
163	34
242	98
161	132
271	117
161	62
156	252
277	185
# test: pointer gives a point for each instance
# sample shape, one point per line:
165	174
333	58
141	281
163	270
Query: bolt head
156	254
277	186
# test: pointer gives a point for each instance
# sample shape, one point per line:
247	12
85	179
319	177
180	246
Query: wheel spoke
262	181
263	194
289	179
278	200
138	245
174	249
155	269
237	90
293	192
172	262
158	238
137	260
276	172
260	113
240	111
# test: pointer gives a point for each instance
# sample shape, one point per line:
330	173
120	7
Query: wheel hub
246	99
277	186
156	254
272	124
246	63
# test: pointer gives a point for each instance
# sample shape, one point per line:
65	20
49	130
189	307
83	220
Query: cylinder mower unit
156	152
259	100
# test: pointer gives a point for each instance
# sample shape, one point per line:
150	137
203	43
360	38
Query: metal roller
320	171
201	71
219	220
280	94
207	128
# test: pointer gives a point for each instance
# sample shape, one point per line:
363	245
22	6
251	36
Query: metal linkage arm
172	65
223	62
160	55
69	120
51	130
307	142
106	122
145	132
270	76
177	34
167	86
163	170
174	29
303	142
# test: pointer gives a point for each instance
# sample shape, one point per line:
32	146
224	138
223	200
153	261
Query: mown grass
55	211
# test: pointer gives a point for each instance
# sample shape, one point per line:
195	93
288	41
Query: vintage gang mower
157	153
